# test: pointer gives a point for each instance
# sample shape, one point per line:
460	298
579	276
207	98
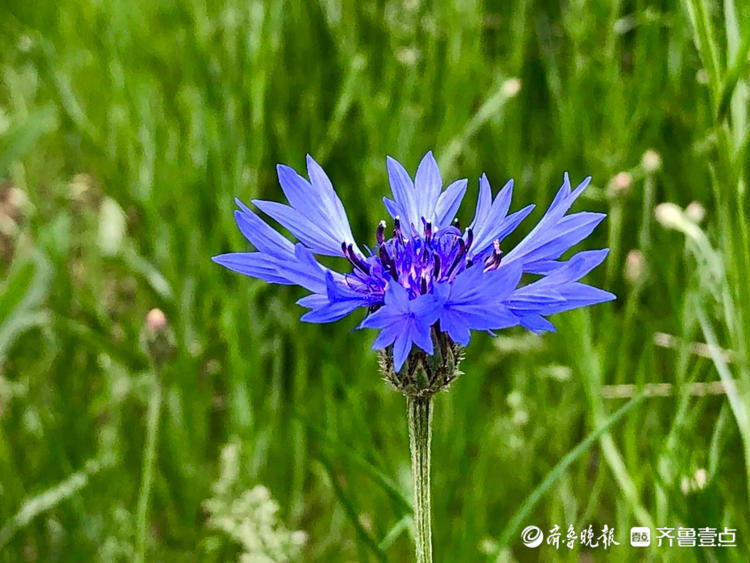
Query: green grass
128	128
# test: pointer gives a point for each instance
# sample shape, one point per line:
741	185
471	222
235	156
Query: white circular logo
532	536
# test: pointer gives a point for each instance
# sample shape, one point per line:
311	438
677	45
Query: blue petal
404	321
576	267
299	268
555	233
491	221
305	230
316	215
259	234
427	185
386	337
401	349
338	301
420	335
512	221
449	202
301	195
474	286
314	301
527	300
484	203
474	301
556	292
582	295
537	324
338	221
254	264
394	210
396	296
541	267
402	189
568	232
456	328
331	312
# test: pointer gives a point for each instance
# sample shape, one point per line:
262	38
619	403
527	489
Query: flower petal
555	233
449	202
491	220
427	184
402	189
401	349
315	215
260	234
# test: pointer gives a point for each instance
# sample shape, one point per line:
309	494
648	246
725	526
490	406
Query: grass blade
557	471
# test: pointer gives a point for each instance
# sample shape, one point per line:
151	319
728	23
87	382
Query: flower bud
156	321
620	185
651	161
512	87
635	266
695	212
423	375
158	337
701	478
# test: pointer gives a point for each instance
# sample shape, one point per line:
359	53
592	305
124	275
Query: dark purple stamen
456	223
397	229
493	261
387	262
457	260
356	261
427	231
469	237
496	249
436	267
380	233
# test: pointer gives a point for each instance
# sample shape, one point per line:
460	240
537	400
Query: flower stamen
355	260
493	261
380	233
397	229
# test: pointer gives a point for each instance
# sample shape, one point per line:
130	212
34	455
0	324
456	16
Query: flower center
416	262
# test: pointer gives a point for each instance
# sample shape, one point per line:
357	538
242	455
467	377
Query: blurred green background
126	130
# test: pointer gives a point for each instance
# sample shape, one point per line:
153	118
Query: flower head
426	283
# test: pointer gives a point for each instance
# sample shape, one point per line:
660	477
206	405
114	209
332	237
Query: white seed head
669	215
515	399
695	212
685	485
701	478
407	56
511	87
17	198
651	161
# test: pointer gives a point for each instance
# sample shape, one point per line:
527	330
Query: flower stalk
419	411
158	342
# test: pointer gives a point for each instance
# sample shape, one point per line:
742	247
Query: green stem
147	469
420	432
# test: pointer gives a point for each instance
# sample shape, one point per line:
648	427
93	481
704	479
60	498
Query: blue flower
425	276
